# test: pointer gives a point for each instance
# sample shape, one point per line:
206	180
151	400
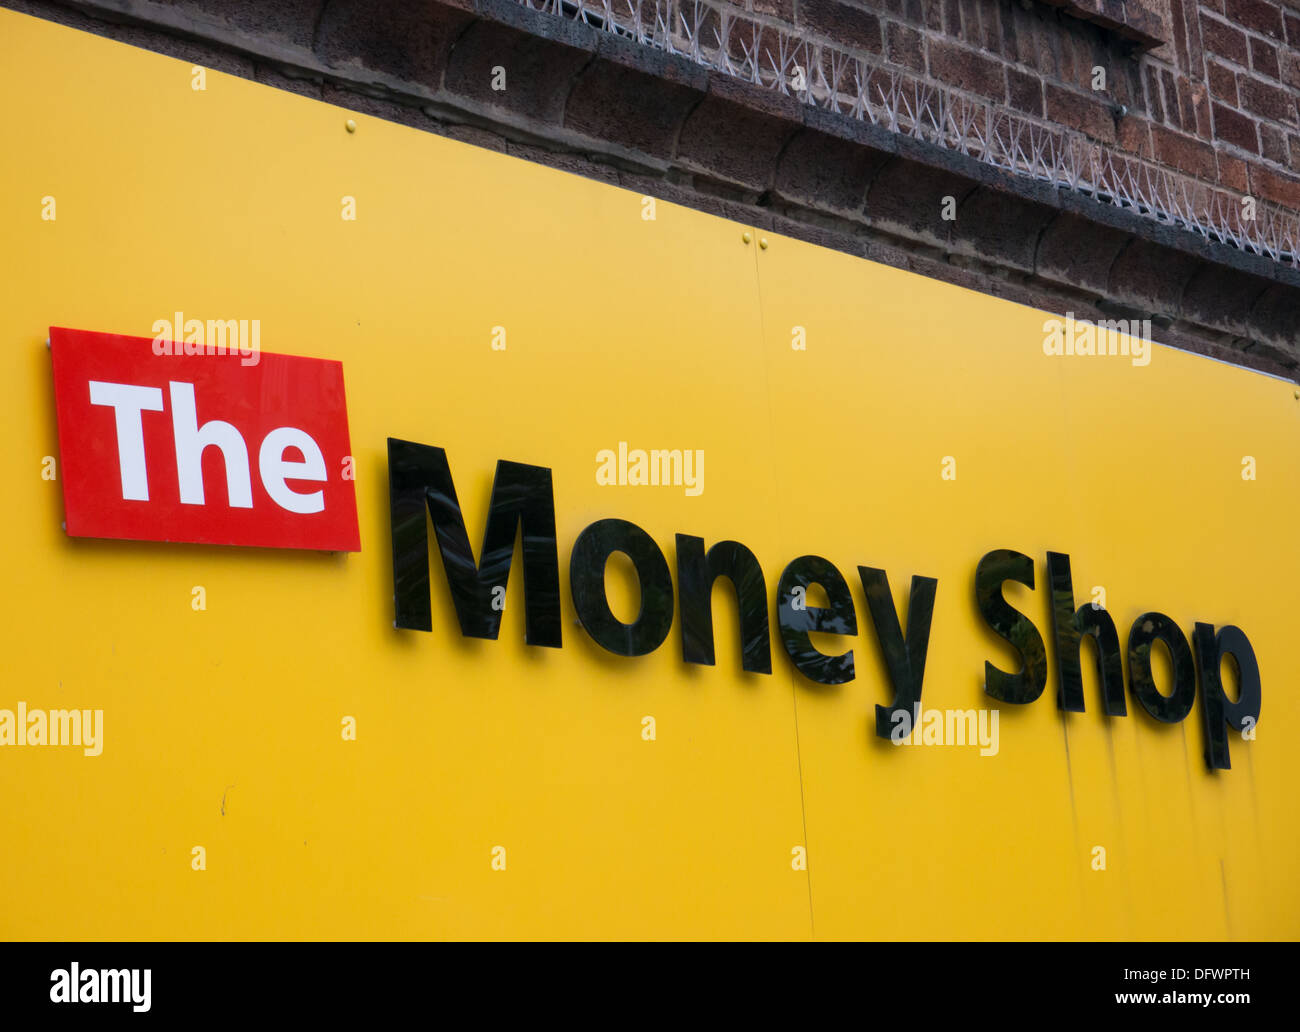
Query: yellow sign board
277	759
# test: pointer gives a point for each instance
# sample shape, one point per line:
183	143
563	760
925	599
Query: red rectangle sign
220	448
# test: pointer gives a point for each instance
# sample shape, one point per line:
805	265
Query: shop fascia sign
158	444
523	502
144	433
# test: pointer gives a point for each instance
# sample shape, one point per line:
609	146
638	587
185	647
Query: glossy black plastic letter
696	573
904	658
1068	627
418	475
994	569
587	581
1218	711
796	618
1146	630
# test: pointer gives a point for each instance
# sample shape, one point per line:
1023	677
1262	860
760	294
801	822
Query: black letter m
419	475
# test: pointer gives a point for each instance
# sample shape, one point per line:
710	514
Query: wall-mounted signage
523	503
160	445
276	758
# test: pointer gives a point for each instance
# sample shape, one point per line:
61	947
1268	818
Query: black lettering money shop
523	502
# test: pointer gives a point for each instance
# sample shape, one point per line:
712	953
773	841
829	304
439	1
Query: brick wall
1209	90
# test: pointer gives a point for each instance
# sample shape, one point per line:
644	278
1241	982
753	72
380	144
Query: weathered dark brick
302	87
410	42
1079	252
1291	24
1082	112
1261	16
1224	40
822	171
730	138
1155	103
1204	121
1025	92
1263	58
966	69
538	73
643	112
1272	143
783	9
1134	136
1151	277
907	199
1284	190
995	225
1267	100
904	46
1184	153
1233	172
1173	106
848	26
1191	21
952	18
990	34
1273	318
1223	82
1291	68
1222	298
1235	128
292	21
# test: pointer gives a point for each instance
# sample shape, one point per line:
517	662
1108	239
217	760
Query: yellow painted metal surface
222	725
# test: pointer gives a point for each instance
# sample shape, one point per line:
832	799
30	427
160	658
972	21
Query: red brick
1018	35
848	26
1291	69
1047	36
970	20
1235	128
1173	113
1263	57
1192	20
1272	143
1071	67
952	18
1265	99
1125	85
1134	136
1147	17
990	34
1223	82
904	46
1154	104
1271	186
1184	153
1187	104
1178	18
1233	174
1257	15
1080	112
1204	124
1291	22
966	70
1026	92
1225	41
